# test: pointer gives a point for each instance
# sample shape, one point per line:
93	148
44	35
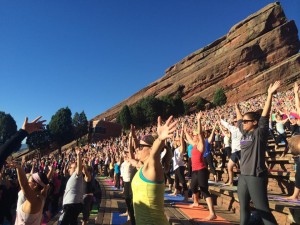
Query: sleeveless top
226	141
207	148
197	159
177	159
29	219
87	187
280	128
148	200
21	199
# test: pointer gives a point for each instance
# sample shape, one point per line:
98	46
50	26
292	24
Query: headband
37	179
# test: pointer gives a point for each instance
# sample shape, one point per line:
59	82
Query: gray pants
255	189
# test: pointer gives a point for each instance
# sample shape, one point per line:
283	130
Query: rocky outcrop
257	51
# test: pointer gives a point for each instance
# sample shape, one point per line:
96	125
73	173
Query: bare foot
194	205
173	194
292	198
228	184
211	217
124	214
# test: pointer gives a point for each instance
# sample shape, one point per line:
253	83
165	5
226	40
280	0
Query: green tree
180	89
219	97
61	127
8	127
186	109
80	124
151	108
124	117
179	106
167	106
39	140
200	104
137	115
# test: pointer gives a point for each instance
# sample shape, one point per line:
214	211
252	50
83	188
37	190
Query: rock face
257	51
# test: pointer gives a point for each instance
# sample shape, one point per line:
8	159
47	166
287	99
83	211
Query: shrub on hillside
219	97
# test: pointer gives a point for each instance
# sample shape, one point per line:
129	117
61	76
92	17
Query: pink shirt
197	159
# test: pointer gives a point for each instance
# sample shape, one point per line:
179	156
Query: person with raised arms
199	170
148	183
253	180
73	196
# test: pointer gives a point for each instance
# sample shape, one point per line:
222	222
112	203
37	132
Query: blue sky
91	54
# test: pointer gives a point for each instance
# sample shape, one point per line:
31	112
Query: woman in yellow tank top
148	183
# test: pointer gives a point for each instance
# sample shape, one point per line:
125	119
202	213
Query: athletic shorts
236	156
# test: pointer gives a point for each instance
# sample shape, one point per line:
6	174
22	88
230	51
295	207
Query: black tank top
87	187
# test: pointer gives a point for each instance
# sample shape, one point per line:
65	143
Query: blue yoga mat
178	198
117	219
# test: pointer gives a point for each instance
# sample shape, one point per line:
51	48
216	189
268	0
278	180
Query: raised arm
14	142
28	192
238	112
182	142
79	161
223	132
164	131
188	137
50	173
131	157
200	144
134	137
272	88
211	136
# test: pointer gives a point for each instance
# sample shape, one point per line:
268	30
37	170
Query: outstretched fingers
169	120
159	121
36	119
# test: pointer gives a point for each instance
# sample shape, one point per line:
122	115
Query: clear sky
91	54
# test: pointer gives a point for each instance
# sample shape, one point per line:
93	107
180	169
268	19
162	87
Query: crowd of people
142	162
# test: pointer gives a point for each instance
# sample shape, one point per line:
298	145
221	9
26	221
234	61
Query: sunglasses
247	121
141	146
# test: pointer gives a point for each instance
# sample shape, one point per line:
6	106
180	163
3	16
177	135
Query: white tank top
29	219
21	199
177	159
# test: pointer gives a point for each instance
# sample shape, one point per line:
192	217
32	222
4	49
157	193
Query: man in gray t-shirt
72	200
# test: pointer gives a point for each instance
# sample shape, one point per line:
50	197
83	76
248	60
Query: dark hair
166	160
253	115
206	133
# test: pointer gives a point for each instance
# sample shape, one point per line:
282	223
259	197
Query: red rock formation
257	51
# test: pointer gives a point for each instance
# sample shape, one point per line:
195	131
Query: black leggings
168	177
209	161
117	181
128	200
281	137
87	206
70	214
179	177
255	189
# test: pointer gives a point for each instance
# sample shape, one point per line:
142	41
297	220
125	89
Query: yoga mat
199	213
94	210
173	199
282	199
117	219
